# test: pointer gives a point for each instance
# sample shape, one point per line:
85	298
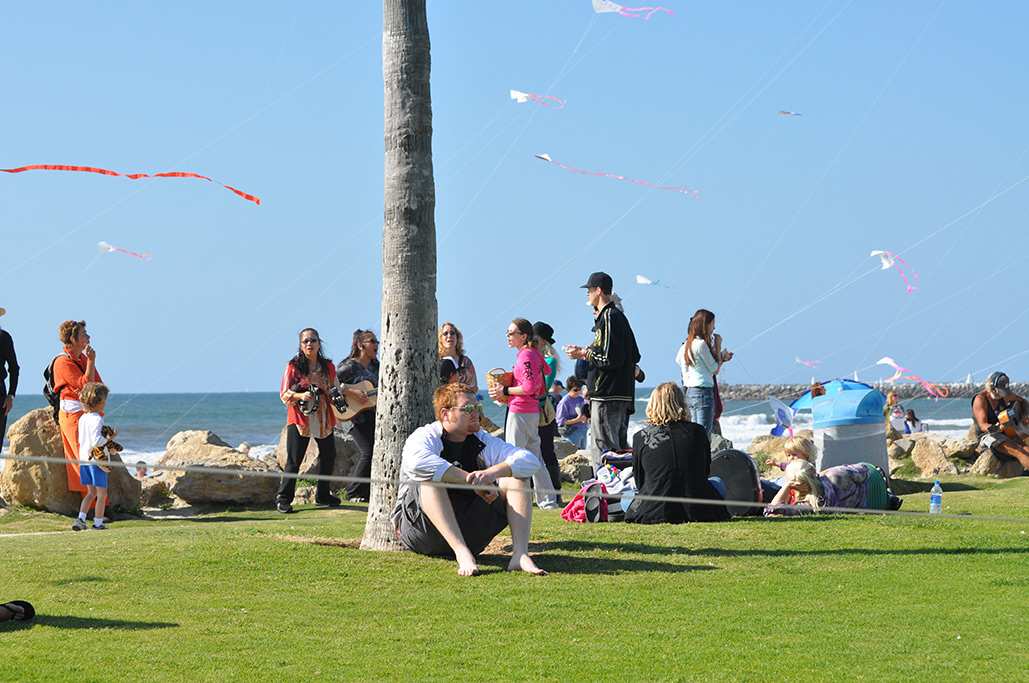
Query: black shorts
479	521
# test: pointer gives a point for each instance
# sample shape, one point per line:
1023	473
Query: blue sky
913	115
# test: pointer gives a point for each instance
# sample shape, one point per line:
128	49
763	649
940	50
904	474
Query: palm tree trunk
408	354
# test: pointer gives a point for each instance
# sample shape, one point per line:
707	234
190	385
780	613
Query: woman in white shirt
699	366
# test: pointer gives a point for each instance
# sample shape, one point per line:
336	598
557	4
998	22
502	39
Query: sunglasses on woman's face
313	340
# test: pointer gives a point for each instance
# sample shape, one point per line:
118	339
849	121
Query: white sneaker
78	524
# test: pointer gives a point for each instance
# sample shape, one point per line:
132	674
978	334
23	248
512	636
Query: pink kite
891	260
548	101
681	189
130	176
783	112
808	363
934	390
605	6
111	249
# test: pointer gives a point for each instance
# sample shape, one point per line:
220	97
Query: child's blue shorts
91	475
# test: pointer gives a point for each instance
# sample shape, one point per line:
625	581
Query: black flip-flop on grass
27	610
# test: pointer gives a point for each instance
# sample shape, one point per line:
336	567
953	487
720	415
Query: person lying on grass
460	523
847	486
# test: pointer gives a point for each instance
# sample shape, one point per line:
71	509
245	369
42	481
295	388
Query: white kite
111	249
548	101
644	13
890	260
647	282
898	371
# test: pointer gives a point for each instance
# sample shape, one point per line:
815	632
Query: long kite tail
131	176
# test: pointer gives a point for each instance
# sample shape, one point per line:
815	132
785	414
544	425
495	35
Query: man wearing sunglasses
454	522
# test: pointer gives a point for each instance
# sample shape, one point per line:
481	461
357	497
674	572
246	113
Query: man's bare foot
524	563
466	565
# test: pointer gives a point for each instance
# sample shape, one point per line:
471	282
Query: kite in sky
130	176
783	112
808	363
934	390
647	282
644	13
111	249
891	260
681	189
548	101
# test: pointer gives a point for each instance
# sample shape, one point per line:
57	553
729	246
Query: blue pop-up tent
833	386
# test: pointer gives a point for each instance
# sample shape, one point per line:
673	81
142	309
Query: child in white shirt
92	440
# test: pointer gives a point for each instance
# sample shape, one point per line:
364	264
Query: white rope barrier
277	474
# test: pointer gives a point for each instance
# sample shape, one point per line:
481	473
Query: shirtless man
987	405
460	523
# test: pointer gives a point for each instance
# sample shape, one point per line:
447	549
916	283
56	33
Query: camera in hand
308	407
337	399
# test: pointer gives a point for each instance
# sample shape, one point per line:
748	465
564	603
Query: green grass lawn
246	595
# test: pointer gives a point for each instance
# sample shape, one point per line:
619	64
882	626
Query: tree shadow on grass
72	622
79	579
903	487
644	549
559	563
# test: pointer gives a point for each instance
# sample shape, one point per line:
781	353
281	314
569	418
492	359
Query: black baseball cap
999	381
600	279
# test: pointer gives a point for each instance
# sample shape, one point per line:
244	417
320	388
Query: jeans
701	402
363	433
576	434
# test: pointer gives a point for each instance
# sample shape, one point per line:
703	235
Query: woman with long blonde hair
671	457
455	366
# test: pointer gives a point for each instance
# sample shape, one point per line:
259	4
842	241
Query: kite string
834	161
706	137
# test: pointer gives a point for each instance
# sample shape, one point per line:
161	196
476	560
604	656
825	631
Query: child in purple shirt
571	422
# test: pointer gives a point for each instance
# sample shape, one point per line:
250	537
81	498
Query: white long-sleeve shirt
421	459
702	372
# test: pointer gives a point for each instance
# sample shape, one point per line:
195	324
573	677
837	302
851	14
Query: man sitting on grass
987	406
460	523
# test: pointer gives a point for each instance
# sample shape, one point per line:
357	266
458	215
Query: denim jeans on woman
701	402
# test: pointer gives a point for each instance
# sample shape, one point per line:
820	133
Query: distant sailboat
968	380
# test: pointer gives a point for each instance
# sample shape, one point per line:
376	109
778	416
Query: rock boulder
576	467
930	458
201	448
720	443
44	486
989	464
563	447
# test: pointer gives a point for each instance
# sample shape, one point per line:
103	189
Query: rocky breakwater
203	449
44	485
904	392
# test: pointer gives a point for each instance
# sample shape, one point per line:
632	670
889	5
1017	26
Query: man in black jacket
612	358
8	367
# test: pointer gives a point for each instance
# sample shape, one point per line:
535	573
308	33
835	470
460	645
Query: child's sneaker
78	524
99	527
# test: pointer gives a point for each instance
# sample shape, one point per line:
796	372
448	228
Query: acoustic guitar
370	393
1010	423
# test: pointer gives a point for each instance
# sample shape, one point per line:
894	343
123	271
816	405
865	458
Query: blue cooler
850	428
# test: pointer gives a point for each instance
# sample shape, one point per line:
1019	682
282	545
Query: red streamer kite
130	176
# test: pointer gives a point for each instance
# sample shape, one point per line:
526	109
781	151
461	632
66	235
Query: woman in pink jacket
523	415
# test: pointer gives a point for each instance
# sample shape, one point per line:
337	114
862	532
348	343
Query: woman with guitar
307	385
362	367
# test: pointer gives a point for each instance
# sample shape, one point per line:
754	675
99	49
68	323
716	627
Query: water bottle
936	498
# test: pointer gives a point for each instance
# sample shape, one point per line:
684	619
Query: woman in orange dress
73	370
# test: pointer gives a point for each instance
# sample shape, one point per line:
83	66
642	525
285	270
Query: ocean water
146	422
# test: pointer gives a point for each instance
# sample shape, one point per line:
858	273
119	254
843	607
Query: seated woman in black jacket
671	456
